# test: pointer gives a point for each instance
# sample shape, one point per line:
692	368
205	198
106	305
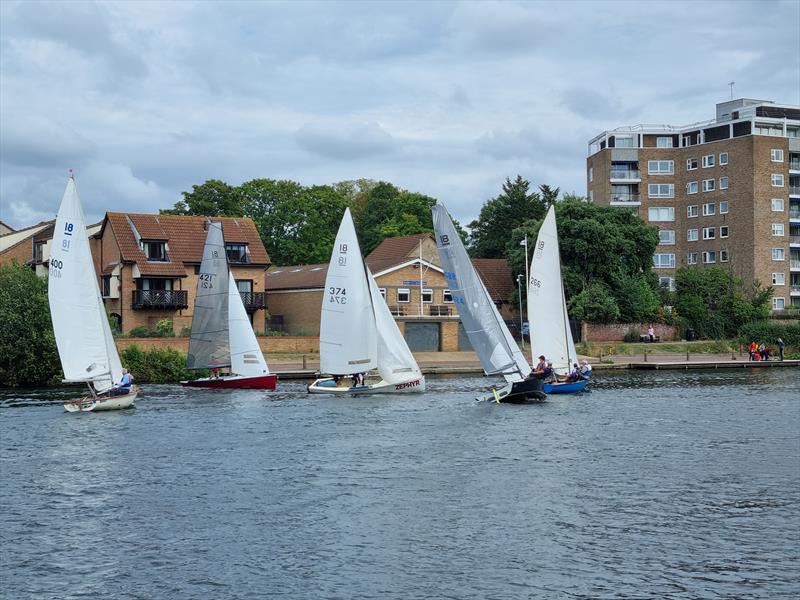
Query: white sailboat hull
326	385
92	404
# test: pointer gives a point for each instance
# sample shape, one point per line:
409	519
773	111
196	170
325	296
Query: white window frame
723	207
407	292
383	293
709	257
776	155
778	303
777	180
692	235
691	164
668	193
627	138
709	209
670	211
723	158
664	141
723	183
660	257
709	185
724	231
691	258
778	202
670	237
723	256
779	254
445	294
779	279
591	174
778	230
427	292
709	233
669	281
708	161
692	211
654	167
692	188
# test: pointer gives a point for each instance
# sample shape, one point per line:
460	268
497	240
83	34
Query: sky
145	99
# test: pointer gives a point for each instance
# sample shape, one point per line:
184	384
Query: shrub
631	336
157	365
769	331
186	331
140	331
164	328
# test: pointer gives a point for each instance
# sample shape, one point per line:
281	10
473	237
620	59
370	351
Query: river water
653	485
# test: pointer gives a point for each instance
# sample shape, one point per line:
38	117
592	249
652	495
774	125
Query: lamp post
519	289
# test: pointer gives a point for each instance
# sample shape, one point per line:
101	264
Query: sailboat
550	333
496	349
222	336
357	330
83	336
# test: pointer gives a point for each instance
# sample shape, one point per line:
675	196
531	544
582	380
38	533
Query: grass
637	348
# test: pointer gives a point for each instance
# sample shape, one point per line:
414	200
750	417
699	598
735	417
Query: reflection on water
665	484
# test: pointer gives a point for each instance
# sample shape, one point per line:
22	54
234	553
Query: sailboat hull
571	387
241	382
90	404
518	392
326	385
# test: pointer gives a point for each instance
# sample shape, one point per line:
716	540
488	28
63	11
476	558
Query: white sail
395	361
246	355
80	325
208	344
496	349
547	308
348	336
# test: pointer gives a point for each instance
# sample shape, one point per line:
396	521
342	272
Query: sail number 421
338	295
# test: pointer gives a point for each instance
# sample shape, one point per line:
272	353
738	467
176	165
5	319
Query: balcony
253	301
794	190
160	299
794	264
794	213
428	310
626	199
795	290
794	165
794	240
625	175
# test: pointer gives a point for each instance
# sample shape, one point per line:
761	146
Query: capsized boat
222	336
357	330
550	333
83	336
496	349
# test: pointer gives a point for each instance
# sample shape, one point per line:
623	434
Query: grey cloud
38	141
346	142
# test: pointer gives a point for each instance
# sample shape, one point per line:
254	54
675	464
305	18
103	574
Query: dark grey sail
208	344
496	349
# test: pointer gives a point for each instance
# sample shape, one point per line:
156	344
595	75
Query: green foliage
28	353
501	215
636	297
157	365
594	304
714	303
631	336
390	212
213	198
186	331
164	328
768	331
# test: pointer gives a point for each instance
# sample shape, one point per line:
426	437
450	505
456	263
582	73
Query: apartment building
724	192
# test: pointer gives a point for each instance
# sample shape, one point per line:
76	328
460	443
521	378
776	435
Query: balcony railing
428	310
794	239
625	174
626	197
795	289
794	264
160	299
794	165
794	213
794	190
253	301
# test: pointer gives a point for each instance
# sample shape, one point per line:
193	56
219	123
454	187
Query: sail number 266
337	295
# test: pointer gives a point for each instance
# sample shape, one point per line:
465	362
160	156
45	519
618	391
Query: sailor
124	386
586	369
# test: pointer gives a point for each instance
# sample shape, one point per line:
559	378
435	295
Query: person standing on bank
781	346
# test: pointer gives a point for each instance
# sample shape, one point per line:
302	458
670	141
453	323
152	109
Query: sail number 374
337	295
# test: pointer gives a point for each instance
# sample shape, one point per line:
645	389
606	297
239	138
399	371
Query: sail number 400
55	267
338	295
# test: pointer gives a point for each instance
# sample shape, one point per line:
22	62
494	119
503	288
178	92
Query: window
447	297
661	190
723	183
666	236
691	164
709	208
778	254
709	233
723	256
591	174
778	303
692	211
427	296
777	229
591	196
661	167
777	180
723	207
777	205
723	158
244	285
403	295
106	281
723	231
667	282
237	253
709	257
661	213
709	185
664	261
154	284
383	293
691	235
155	250
776	155
623	141
691	187
664	142
691	258
708	161
778	279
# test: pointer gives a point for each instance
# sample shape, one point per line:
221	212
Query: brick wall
269	344
615	332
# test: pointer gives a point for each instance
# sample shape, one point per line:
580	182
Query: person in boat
124	385
586	369
574	375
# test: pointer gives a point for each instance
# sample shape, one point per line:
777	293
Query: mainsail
348	336
208	344
246	355
547	308
496	349
83	335
395	361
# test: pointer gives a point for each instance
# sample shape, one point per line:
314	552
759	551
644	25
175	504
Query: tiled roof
496	276
392	251
5	225
297	277
185	237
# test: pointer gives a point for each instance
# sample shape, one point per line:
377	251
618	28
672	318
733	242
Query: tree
501	215
549	195
390	212
29	356
214	198
595	304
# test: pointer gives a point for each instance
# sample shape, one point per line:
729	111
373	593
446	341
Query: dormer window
155	250
237	253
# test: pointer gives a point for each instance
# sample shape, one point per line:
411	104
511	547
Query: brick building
725	192
4	229
410	278
31	245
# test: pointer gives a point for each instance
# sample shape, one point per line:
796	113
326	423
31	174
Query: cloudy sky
145	99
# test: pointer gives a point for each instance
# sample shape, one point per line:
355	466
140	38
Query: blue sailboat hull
565	388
